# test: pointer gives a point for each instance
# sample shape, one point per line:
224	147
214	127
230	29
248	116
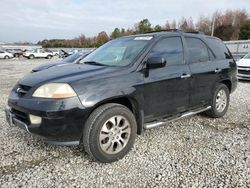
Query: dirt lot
196	151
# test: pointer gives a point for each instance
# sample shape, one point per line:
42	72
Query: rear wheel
31	56
49	56
220	101
109	133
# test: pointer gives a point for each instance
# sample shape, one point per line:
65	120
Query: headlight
54	90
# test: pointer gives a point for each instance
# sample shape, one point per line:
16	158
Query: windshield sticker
143	38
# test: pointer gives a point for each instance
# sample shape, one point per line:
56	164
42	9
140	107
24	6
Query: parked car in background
15	52
55	52
63	54
70	59
5	55
244	68
38	53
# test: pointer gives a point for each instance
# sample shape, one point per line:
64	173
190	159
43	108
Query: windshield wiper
93	63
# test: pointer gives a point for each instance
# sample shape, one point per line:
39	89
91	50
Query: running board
160	123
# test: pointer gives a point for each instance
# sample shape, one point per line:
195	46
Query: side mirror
156	62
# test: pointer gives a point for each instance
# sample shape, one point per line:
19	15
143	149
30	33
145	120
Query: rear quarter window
219	48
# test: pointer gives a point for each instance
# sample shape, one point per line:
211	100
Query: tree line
228	25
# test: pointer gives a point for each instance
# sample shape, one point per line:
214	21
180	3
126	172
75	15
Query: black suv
125	86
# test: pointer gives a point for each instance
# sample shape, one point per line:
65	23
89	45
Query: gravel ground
193	152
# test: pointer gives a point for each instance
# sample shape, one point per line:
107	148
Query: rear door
166	89
42	53
203	70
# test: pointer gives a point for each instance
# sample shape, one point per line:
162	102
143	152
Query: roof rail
195	32
166	30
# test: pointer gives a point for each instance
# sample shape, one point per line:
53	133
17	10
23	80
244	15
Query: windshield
120	52
247	56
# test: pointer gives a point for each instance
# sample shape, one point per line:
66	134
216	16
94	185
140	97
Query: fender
127	96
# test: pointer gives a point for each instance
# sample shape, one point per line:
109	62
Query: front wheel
6	57
220	101
109	133
49	56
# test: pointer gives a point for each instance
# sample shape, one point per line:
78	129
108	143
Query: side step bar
160	123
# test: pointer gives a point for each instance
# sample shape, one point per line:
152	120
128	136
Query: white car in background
38	53
55	52
244	68
5	55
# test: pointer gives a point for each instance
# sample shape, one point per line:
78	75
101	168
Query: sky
34	20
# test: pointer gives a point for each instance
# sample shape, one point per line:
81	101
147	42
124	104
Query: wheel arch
130	103
228	83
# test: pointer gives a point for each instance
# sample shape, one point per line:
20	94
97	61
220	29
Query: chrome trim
185	76
244	68
20	124
243	75
70	143
160	123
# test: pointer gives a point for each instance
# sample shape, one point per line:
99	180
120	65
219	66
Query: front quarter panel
91	93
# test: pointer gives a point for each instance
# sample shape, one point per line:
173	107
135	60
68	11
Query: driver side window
169	48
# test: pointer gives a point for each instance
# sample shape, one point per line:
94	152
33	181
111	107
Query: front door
166	90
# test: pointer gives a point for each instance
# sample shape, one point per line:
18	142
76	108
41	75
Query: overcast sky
33	20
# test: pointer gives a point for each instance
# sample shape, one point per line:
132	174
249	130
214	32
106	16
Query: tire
220	94
31	56
6	57
100	136
49	57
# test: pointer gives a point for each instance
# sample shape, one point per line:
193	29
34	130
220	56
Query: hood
47	65
243	63
66	73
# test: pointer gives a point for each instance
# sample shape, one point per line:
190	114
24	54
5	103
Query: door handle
217	70
185	76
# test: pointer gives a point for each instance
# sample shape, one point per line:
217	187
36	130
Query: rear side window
169	48
219	48
198	51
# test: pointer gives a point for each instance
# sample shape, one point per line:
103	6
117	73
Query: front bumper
62	119
243	76
243	73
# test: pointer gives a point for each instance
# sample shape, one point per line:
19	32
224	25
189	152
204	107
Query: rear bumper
62	120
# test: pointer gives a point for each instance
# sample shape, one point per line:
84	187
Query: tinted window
219	48
198	51
169	48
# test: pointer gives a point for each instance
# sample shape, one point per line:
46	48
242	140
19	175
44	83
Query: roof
169	32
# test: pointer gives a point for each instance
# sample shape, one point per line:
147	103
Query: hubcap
115	134
221	101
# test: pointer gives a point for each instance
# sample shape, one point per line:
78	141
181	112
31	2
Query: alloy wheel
114	134
221	100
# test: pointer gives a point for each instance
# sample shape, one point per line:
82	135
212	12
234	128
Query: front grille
244	72
21	90
20	115
242	67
